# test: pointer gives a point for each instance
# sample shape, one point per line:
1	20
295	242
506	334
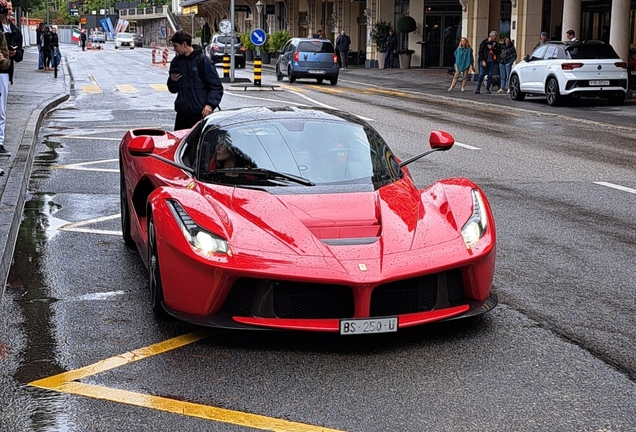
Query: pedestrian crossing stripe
91	89
159	87
126	88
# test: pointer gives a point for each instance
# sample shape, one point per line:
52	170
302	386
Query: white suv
124	39
570	70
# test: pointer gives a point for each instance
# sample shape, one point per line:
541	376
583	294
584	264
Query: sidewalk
31	96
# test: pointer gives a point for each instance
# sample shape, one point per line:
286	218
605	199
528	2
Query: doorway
441	37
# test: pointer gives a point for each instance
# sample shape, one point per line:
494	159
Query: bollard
226	66
257	70
164	58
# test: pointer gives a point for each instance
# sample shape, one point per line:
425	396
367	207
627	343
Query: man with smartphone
13	37
194	79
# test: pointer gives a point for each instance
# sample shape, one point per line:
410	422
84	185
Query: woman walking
507	58
464	60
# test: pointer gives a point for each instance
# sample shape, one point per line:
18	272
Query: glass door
432	41
442	34
452	34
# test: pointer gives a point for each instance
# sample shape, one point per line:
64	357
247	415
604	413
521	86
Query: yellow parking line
159	87
67	383
126	88
189	409
91	89
113	362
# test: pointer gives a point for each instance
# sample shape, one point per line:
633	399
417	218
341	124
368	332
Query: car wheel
616	100
116	47
124	210
552	94
319	80
292	78
334	81
279	76
154	274
515	89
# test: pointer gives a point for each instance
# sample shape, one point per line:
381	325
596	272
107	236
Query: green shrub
379	33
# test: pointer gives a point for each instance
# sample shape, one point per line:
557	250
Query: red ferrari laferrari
301	219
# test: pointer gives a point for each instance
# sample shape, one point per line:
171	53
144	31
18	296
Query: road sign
225	26
258	37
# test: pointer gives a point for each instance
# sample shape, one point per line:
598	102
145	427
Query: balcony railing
145	13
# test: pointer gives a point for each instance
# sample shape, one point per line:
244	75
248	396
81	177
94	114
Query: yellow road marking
159	87
120	360
91	89
66	382
189	409
126	88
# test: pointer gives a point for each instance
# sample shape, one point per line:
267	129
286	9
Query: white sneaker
500	91
508	91
450	89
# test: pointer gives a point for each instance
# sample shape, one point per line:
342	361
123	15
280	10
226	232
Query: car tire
616	100
279	76
116	47
154	274
124	211
334	81
552	93
319	80
292	78
515	89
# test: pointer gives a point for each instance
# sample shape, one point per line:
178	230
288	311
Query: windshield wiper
264	173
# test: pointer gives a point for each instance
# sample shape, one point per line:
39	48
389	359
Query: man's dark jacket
391	43
14	39
196	88
343	42
482	54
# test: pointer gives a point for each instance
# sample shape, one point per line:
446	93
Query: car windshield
227	40
319	151
316	46
592	51
124	36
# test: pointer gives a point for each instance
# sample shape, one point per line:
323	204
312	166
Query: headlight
202	241
477	224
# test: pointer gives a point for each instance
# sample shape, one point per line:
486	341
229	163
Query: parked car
97	36
308	58
570	70
124	40
302	219
631	67
139	40
216	49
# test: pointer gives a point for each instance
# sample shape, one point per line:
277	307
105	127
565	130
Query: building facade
440	23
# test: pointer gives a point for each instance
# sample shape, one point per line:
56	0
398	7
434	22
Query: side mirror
141	146
526	58
441	140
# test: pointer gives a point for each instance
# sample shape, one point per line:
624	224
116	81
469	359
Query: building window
505	15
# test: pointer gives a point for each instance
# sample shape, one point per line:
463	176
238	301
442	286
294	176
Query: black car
221	44
139	40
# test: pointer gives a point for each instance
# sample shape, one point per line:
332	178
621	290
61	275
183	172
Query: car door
529	73
285	58
542	67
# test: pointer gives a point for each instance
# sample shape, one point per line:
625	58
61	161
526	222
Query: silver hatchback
308	58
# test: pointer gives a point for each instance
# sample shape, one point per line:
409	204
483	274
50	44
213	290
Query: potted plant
276	41
248	46
405	25
379	33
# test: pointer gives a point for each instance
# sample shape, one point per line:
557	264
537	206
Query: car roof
575	43
310	40
259	114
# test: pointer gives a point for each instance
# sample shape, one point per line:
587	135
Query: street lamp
259	9
192	14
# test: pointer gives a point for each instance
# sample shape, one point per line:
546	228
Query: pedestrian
83	39
194	79
343	42
464	61
5	65
571	35
488	55
542	39
507	58
55	48
13	36
319	34
391	43
38	36
45	44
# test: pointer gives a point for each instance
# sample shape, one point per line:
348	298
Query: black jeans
186	120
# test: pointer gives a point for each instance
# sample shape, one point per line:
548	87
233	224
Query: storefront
442	31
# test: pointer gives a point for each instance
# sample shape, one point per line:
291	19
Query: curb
12	200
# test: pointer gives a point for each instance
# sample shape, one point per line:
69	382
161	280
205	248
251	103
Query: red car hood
397	218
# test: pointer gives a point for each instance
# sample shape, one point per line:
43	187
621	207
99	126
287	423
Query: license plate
368	326
599	83
317	72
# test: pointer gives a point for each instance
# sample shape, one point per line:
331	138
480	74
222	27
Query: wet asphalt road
557	354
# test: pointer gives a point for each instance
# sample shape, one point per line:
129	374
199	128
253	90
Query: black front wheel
279	75
154	273
515	89
552	93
